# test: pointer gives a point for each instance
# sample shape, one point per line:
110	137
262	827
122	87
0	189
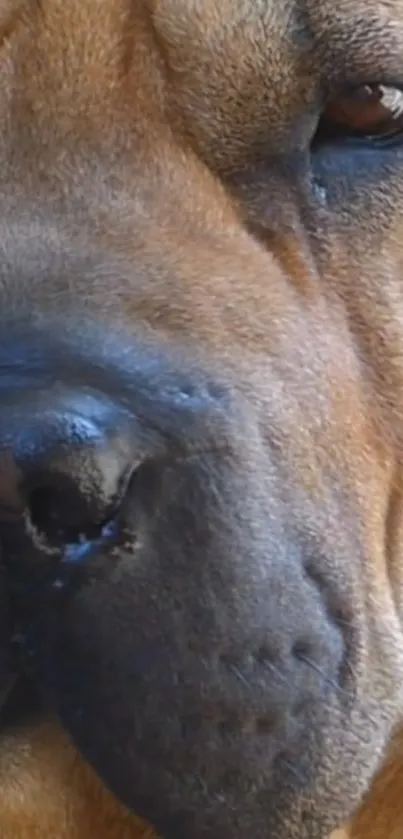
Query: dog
201	388
47	790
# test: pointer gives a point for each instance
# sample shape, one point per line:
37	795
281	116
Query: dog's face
201	354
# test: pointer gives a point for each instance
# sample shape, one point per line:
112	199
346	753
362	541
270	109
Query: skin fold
201	418
47	791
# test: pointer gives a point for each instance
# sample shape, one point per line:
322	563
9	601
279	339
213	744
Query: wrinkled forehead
278	52
253	34
237	50
247	74
270	16
252	75
274	32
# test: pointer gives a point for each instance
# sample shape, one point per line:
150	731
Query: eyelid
343	86
375	120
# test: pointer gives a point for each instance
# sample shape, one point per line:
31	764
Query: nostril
60	516
70	470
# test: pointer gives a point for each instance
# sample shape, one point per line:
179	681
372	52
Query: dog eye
370	112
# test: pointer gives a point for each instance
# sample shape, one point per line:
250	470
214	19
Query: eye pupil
371	112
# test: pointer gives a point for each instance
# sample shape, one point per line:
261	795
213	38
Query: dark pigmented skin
200	330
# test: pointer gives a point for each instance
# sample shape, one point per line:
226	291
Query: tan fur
184	100
381	816
48	792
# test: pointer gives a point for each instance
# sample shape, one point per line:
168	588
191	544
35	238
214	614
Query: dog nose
65	465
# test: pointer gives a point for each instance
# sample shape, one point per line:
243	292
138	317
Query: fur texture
187	239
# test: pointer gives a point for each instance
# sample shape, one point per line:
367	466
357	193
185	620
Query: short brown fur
157	175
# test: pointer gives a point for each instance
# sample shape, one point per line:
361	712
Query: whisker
327	679
239	675
295	771
276	671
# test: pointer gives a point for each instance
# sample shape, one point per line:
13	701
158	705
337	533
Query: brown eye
372	111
